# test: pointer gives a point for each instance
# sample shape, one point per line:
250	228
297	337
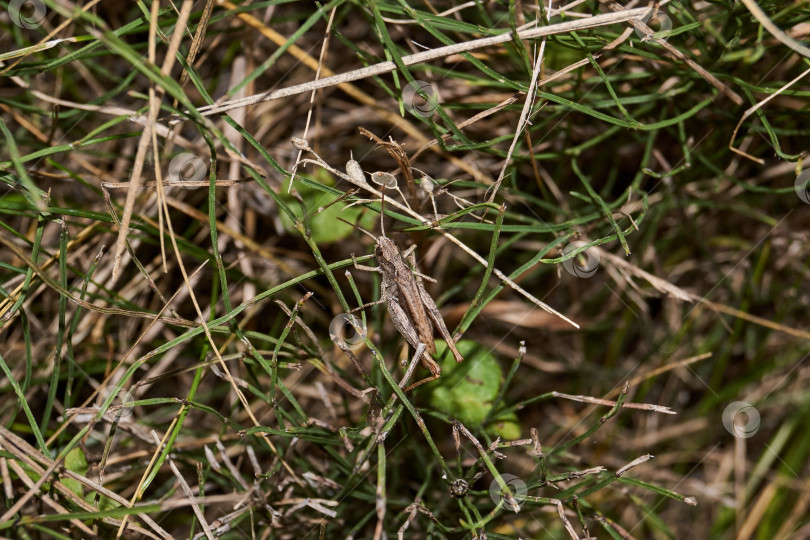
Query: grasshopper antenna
359	228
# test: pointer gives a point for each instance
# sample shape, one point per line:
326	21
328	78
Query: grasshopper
410	307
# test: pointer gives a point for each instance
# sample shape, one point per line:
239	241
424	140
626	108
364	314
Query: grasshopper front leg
364	267
382	300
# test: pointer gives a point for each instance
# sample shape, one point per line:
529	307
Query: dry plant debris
608	204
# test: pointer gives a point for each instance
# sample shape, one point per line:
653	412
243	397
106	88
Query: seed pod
355	172
427	184
384	179
300	143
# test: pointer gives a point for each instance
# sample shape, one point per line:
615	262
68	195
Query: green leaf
466	390
325	225
505	426
327	228
73	485
104	502
75	462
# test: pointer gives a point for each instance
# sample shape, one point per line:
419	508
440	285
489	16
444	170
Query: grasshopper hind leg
396	312
435	372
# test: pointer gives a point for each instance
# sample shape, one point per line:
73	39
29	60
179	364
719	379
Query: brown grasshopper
411	308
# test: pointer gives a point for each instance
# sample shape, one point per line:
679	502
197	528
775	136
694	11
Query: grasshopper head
386	251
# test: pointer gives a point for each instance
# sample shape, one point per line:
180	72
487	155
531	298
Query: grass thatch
615	216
